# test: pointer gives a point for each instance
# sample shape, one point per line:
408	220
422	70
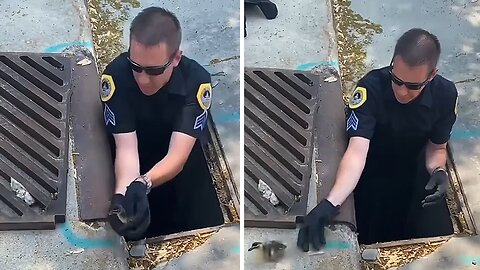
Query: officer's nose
402	90
142	78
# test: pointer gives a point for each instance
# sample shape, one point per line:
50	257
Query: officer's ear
433	74
176	59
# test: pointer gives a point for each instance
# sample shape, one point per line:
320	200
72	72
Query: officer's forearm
349	171
127	168
435	156
165	170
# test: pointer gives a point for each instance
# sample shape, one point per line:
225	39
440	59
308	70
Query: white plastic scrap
267	193
21	192
84	62
331	79
313	253
73	252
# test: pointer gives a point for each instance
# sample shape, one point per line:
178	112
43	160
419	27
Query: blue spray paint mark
226	117
62	46
465	134
236	250
337	245
85	243
310	65
470	260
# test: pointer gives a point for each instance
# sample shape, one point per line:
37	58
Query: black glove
117	215
130	214
138	206
440	180
312	230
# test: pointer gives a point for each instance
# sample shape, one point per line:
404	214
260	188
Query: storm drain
280	108
34	101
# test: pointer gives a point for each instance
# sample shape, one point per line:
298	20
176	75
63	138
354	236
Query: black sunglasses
408	85
152	70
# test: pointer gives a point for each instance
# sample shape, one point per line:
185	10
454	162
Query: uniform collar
426	96
177	82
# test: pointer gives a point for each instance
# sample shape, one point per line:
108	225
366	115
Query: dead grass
168	250
391	257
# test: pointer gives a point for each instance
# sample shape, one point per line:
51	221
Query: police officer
155	107
398	114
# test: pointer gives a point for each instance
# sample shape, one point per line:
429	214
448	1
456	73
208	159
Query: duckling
272	251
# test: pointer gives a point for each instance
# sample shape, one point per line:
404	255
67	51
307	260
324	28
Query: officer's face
406	73
152	56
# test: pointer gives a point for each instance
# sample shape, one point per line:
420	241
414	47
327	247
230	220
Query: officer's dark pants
388	203
187	202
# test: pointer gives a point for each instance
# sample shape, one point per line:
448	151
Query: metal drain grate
34	105
280	108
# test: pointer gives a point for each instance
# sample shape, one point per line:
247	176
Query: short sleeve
117	113
442	128
195	111
361	111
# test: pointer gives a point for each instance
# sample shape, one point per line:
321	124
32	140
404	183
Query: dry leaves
401	255
168	250
107	19
354	33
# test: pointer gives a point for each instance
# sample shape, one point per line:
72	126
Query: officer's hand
438	179
312	230
138	210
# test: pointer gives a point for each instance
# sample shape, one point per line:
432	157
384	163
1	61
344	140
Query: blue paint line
465	134
470	260
337	245
62	46
226	117
310	65
80	242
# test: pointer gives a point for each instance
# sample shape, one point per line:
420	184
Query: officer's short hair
417	47
154	25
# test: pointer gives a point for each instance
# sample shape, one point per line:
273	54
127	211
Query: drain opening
200	208
389	225
399	253
187	203
226	195
209	202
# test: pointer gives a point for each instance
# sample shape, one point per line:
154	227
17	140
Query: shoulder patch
359	97
204	95
107	87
